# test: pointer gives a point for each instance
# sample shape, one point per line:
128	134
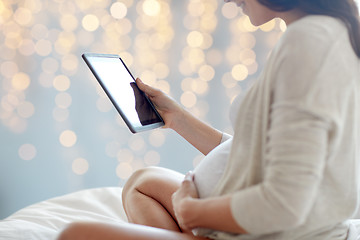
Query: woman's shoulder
314	30
312	35
319	24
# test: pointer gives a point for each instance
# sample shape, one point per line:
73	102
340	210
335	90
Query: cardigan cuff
225	137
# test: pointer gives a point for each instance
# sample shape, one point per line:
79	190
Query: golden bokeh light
283	26
39	31
206	72
23	16
247	56
199	86
208	23
239	72
151	7
228	80
65	42
230	10
27	47
196	8
186	84
195	56
61	83
90	22
195	39
20	81
27	152
13	40
124	170
80	166
118	10
244	24
16	124
188	99
43	47
68	138
69	64
269	26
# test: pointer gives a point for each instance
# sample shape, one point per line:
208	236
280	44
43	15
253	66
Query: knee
138	180
73	231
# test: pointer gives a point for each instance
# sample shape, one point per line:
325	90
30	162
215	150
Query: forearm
212	213
201	135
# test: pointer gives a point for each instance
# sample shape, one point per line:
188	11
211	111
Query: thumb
145	88
189	176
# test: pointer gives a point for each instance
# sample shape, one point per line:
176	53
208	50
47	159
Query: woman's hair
346	10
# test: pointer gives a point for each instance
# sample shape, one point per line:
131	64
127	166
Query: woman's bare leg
147	197
127	231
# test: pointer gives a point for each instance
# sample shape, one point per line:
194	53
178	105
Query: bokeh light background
60	133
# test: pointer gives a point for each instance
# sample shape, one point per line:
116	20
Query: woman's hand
201	135
181	201
168	108
213	213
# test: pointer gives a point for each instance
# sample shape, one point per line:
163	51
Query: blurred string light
198	56
15	110
27	151
241	53
51	35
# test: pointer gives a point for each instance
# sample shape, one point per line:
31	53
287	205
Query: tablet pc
119	85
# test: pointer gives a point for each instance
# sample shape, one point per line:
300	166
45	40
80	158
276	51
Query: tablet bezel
133	129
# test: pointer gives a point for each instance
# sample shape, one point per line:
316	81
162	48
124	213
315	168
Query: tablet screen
118	83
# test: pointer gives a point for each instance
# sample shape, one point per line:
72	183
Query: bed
44	220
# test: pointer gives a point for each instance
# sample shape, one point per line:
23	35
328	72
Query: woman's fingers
189	176
145	88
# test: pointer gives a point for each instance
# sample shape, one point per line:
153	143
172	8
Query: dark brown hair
346	10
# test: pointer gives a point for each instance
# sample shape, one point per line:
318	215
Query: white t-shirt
211	168
209	171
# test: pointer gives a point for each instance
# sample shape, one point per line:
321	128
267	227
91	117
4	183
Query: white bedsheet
44	220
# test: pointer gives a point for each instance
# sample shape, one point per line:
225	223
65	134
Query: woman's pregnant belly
211	168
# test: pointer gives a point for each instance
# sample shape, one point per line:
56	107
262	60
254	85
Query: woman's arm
201	135
213	213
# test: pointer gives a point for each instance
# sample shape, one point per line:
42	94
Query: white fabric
354	229
293	170
44	220
209	171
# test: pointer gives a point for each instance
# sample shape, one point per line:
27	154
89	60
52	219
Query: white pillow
44	220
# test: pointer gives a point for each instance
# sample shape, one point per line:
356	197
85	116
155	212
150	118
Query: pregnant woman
291	170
